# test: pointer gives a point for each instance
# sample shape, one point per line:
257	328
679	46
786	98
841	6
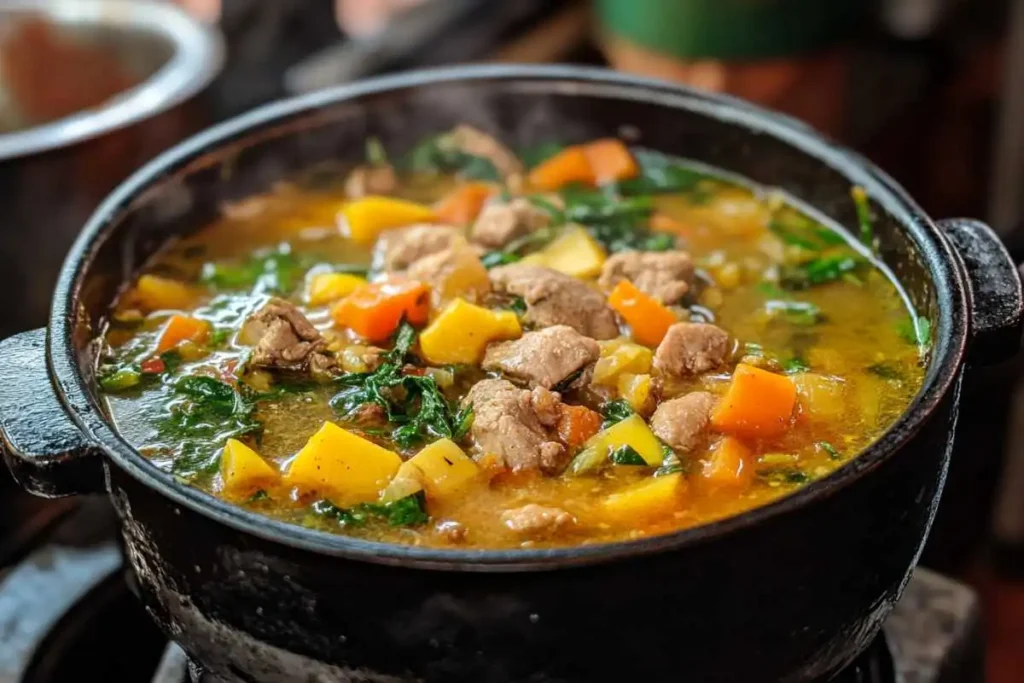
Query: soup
470	347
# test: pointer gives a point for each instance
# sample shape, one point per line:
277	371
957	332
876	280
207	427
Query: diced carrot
182	328
152	366
729	465
647	317
571	165
610	160
374	310
576	424
462	205
758	403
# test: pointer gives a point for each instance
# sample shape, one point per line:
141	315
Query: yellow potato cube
366	218
462	331
821	396
633	432
619	357
342	466
325	288
574	253
446	468
243	471
636	390
652	498
159	293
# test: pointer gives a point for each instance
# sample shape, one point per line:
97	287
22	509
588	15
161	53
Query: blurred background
930	90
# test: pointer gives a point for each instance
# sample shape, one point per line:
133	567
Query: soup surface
471	347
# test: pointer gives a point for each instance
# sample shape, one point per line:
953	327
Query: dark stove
67	613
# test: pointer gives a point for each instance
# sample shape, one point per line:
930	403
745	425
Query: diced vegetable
636	390
632	431
342	466
374	310
729	465
647	317
822	397
159	293
446	469
462	276
243	471
119	380
463	204
181	328
646	500
757	404
577	424
366	218
327	287
610	160
619	356
408	481
574	253
571	165
462	331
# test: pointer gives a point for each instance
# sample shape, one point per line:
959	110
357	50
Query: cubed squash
757	404
327	287
446	469
646	500
633	432
822	397
159	293
636	390
243	471
342	466
462	331
181	328
574	253
407	481
366	218
619	356
730	465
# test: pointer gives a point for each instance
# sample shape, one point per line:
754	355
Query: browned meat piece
690	349
553	298
398	249
500	223
479	144
543	358
665	275
506	425
284	339
369	180
453	272
682	423
547	406
536	520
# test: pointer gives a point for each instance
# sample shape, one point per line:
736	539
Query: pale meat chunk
554	298
507	424
477	143
397	249
369	180
499	222
544	358
665	275
284	339
683	422
537	520
691	349
453	272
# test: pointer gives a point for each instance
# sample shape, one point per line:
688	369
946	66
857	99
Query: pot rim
198	56
949	347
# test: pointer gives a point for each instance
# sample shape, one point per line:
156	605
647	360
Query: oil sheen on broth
473	347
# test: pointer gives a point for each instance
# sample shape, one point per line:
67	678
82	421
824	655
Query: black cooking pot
788	592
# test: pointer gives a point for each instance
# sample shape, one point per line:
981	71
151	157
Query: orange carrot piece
729	465
180	328
576	424
571	165
757	404
647	317
610	160
461	206
374	310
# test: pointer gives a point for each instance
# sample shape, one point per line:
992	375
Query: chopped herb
753	349
860	201
220	336
916	329
829	449
671	468
819	271
518	306
408	511
660	173
615	411
492	259
626	455
259	496
439	154
885	371
172	361
278	271
375	152
779	477
794	365
463	423
794	312
118	379
536	155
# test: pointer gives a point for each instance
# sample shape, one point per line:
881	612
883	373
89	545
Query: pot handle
996	293
46	453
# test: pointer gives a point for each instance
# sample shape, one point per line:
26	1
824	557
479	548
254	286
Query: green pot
729	29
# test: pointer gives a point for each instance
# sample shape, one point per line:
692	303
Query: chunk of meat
537	520
369	180
397	249
554	298
683	422
284	339
547	405
453	272
477	143
507	425
499	223
690	349
665	275
544	358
